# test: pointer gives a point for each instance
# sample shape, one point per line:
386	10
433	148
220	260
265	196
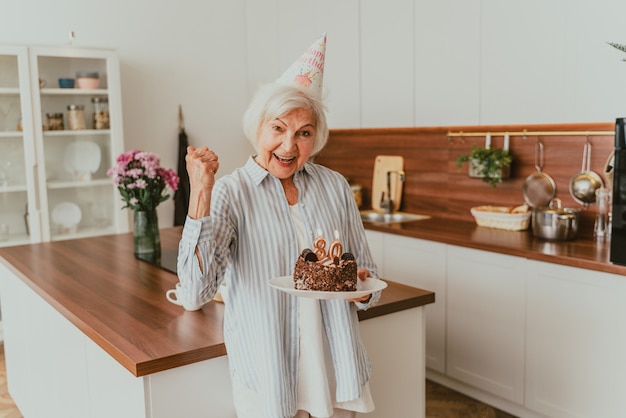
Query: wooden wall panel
436	187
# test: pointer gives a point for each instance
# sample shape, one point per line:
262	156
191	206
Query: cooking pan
539	188
583	185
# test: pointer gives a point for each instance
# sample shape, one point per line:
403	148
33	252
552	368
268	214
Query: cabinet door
422	264
485	317
375	240
19	216
387	63
77	197
575	363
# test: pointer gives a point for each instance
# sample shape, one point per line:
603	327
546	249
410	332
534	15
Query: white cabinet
485	321
57	187
575	346
376	242
422	264
17	157
386	63
532	338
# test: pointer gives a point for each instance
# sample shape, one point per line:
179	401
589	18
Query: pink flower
141	180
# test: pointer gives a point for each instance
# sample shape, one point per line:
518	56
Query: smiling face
286	142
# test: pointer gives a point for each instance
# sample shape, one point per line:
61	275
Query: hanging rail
526	133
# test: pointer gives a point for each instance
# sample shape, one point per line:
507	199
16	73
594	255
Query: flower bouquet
143	183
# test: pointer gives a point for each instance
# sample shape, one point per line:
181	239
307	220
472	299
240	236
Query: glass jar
100	113
602	226
76	117
55	121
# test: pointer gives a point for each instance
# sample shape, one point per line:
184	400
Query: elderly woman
288	356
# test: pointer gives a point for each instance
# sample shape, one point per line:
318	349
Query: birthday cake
317	270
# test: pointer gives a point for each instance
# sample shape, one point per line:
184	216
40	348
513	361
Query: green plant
488	161
618	46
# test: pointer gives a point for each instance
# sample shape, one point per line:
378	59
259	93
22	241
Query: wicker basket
499	217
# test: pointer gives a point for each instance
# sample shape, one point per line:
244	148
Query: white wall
389	63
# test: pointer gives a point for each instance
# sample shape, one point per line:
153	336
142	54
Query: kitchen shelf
83	233
77	183
10	91
73	92
39	178
78	132
16	239
11	134
16	188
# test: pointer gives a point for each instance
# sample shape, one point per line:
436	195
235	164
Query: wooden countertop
583	252
119	301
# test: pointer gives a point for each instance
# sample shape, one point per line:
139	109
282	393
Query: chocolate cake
338	275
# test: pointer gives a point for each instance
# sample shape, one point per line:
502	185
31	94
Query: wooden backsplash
435	186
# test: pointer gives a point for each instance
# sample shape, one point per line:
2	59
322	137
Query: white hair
275	100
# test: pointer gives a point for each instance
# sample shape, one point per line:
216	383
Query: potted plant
490	164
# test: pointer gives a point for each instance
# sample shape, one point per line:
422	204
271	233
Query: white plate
66	214
363	288
82	157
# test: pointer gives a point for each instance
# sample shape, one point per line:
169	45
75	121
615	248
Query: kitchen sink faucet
387	203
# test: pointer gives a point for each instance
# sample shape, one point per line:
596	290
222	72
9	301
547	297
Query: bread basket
501	217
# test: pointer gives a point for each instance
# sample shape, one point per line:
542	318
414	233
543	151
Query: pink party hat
308	70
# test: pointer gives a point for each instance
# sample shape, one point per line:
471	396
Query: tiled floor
441	402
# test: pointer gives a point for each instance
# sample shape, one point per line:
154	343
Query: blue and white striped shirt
248	240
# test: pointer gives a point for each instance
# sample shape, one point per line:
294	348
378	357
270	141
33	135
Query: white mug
174	296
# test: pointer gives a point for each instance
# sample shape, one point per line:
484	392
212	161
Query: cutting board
382	165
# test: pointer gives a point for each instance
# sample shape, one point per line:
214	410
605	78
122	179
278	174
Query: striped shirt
250	238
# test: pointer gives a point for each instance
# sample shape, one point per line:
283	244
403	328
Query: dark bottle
618	227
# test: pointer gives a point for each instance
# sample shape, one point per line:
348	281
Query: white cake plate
363	288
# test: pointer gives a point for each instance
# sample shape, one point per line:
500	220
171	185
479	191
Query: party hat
308	70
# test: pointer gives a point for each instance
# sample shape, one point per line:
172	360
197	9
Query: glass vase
146	238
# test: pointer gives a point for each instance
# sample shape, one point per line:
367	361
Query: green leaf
491	161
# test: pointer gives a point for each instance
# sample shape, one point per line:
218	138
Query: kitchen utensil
608	167
554	222
382	165
539	188
583	185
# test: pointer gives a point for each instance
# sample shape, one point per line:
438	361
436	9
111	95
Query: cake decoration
307	71
332	271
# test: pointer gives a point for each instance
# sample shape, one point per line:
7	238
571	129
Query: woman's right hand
202	164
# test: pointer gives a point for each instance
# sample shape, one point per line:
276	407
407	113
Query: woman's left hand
362	274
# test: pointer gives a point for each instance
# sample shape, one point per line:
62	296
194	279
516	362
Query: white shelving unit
36	163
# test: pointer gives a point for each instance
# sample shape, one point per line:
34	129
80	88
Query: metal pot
554	222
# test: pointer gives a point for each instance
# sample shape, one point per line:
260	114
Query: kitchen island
89	333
